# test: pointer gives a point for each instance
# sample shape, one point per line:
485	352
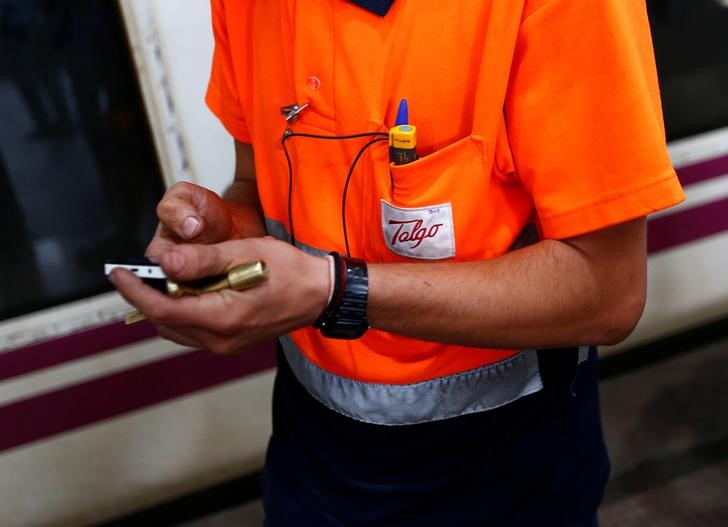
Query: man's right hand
190	213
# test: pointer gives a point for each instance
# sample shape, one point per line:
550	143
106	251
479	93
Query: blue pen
402	113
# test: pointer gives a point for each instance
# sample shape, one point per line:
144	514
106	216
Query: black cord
286	135
381	136
335	137
346	188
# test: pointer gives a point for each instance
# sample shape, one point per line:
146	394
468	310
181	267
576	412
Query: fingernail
112	277
175	261
190	227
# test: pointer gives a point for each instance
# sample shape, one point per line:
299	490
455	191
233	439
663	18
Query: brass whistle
243	276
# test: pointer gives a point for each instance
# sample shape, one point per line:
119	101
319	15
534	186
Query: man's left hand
293	296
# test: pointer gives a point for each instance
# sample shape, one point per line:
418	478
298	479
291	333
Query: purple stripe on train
673	230
698	172
71	347
686	226
102	398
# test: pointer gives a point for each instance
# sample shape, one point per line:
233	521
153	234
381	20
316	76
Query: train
99	420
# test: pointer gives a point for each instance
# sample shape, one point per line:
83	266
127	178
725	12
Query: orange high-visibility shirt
527	111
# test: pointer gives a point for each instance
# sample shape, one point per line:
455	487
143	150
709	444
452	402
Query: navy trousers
537	462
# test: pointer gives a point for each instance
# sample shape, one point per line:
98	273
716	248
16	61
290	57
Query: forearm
245	210
551	294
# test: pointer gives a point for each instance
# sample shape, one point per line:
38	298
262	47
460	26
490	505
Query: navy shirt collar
379	7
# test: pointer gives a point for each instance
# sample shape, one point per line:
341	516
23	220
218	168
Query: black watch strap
346	315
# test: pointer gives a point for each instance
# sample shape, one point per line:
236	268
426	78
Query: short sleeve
223	96
584	117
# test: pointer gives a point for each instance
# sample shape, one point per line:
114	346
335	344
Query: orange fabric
525	110
585	122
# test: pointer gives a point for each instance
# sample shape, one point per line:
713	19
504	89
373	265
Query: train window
691	48
79	178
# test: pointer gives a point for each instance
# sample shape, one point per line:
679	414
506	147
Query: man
408	299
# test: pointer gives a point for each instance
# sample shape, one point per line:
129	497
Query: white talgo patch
425	232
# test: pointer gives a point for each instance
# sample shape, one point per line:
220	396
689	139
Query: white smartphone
151	273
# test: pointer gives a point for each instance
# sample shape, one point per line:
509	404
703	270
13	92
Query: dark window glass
691	47
78	175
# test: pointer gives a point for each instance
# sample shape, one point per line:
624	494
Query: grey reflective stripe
280	232
277	230
476	390
583	354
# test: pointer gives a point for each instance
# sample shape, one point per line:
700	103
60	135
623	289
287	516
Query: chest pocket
448	205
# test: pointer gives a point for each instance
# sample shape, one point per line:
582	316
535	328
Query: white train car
98	419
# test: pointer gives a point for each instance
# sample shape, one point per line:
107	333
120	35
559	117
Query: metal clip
290	112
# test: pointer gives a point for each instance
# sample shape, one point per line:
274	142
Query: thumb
194	213
190	262
213	223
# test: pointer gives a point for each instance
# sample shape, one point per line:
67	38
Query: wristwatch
346	315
